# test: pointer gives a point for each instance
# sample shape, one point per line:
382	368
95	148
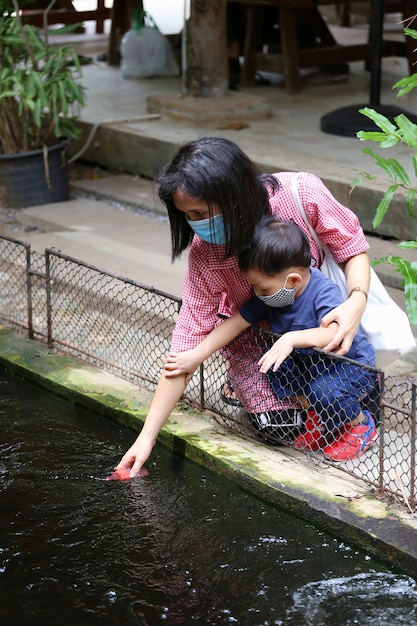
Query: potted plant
40	98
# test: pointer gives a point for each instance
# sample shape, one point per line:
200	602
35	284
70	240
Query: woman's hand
348	317
349	314
137	455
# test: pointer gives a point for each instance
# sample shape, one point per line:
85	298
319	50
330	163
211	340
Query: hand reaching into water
137	455
124	474
167	394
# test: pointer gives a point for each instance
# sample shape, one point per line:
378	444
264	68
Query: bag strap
301	210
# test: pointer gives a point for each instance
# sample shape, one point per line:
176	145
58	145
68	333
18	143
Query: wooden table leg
289	49
252	36
100	21
121	21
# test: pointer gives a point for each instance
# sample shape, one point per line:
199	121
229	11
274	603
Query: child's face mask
282	297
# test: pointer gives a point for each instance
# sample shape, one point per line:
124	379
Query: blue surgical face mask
211	229
282	297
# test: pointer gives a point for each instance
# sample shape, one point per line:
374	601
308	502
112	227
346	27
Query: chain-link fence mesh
110	321
125	328
15	292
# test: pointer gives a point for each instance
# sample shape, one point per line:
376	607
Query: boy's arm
308	338
186	362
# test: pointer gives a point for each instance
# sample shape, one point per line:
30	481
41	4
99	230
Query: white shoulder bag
385	324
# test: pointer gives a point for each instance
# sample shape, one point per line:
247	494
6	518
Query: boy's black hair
215	170
275	247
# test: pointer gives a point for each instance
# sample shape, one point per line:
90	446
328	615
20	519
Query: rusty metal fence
124	327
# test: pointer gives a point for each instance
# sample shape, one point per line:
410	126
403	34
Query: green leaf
7	94
410	32
407	130
408	244
383	205
63	98
405	85
389	142
409	273
370	135
65	30
356	181
391	166
37	114
400	173
409	202
380	120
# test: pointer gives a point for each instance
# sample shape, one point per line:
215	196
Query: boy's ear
294	280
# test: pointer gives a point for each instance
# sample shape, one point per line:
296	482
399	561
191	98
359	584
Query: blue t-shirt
319	297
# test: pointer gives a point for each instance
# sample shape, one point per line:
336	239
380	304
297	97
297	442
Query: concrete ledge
114	146
283	476
123	190
143	149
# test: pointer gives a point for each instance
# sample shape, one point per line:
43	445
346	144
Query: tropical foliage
400	130
40	91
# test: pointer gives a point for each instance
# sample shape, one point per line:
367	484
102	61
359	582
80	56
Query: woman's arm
170	388
167	394
348	315
308	338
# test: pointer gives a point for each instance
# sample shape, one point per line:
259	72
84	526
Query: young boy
294	297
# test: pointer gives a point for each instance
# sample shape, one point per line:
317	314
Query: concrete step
132	244
139	194
118	223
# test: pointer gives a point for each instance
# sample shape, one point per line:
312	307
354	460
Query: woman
215	196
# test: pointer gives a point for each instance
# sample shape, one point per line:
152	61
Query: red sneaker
354	441
312	438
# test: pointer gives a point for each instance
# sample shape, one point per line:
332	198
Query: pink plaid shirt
213	285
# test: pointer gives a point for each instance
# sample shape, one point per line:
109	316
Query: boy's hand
277	354
180	363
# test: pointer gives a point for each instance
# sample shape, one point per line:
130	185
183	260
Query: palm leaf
409	273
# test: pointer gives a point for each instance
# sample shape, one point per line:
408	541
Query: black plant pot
35	177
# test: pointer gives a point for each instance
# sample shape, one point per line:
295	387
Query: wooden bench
64	12
293	56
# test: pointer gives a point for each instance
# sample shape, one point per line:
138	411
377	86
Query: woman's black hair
215	170
275	247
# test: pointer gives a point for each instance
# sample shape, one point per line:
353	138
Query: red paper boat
124	474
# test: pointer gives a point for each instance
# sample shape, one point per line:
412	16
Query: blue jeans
334	388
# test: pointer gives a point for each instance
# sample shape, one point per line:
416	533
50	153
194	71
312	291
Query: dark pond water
181	546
